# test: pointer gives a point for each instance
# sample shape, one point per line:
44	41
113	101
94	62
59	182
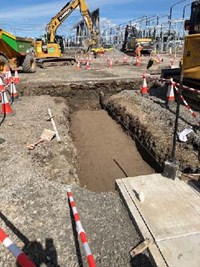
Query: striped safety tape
196	91
188	107
21	258
175	84
80	230
155	77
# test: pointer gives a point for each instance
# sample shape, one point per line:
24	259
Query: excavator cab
194	22
60	41
191	55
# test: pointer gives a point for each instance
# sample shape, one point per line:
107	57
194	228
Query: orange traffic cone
144	89
172	63
125	60
1	88
170	99
16	78
13	92
1	85
137	63
8	75
110	63
6	108
87	67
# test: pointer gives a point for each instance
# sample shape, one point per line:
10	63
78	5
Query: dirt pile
153	125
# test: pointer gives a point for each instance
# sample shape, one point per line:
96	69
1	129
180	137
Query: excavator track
52	62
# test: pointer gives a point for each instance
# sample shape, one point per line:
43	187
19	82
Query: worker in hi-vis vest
138	53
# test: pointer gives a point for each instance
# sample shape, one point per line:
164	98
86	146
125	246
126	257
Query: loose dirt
105	152
153	125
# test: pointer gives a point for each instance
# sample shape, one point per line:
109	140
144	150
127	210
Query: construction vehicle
16	52
50	49
131	38
101	50
190	63
191	55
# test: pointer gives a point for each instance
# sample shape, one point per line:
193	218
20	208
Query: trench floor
105	152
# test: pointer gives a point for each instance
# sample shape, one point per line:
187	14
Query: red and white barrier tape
21	258
175	84
80	230
188	107
155	77
196	91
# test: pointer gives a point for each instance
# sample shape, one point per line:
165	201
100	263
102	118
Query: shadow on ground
34	249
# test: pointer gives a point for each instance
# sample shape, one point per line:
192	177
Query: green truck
16	52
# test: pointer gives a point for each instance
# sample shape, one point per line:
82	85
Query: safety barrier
80	230
188	88
21	258
8	84
188	107
175	84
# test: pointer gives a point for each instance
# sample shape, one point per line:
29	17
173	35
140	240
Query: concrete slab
169	215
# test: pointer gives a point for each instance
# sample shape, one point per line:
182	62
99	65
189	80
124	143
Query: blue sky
29	18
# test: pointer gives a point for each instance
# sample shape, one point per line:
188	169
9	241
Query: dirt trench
105	152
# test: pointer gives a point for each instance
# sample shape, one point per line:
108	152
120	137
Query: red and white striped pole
80	230
21	258
188	107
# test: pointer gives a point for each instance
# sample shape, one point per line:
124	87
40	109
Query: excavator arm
64	13
86	14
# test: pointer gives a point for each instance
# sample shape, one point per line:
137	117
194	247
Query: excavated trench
105	150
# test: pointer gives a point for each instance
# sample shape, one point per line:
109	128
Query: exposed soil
105	153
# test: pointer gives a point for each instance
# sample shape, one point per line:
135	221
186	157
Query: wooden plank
140	248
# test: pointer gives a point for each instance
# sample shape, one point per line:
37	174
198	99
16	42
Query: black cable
173	157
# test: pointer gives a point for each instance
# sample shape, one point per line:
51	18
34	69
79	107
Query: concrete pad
169	215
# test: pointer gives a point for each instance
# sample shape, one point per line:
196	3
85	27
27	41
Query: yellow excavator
191	55
50	48
190	63
131	38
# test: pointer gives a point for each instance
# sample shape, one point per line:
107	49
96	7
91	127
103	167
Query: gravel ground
99	70
34	208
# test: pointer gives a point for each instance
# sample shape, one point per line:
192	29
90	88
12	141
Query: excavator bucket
150	63
153	63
